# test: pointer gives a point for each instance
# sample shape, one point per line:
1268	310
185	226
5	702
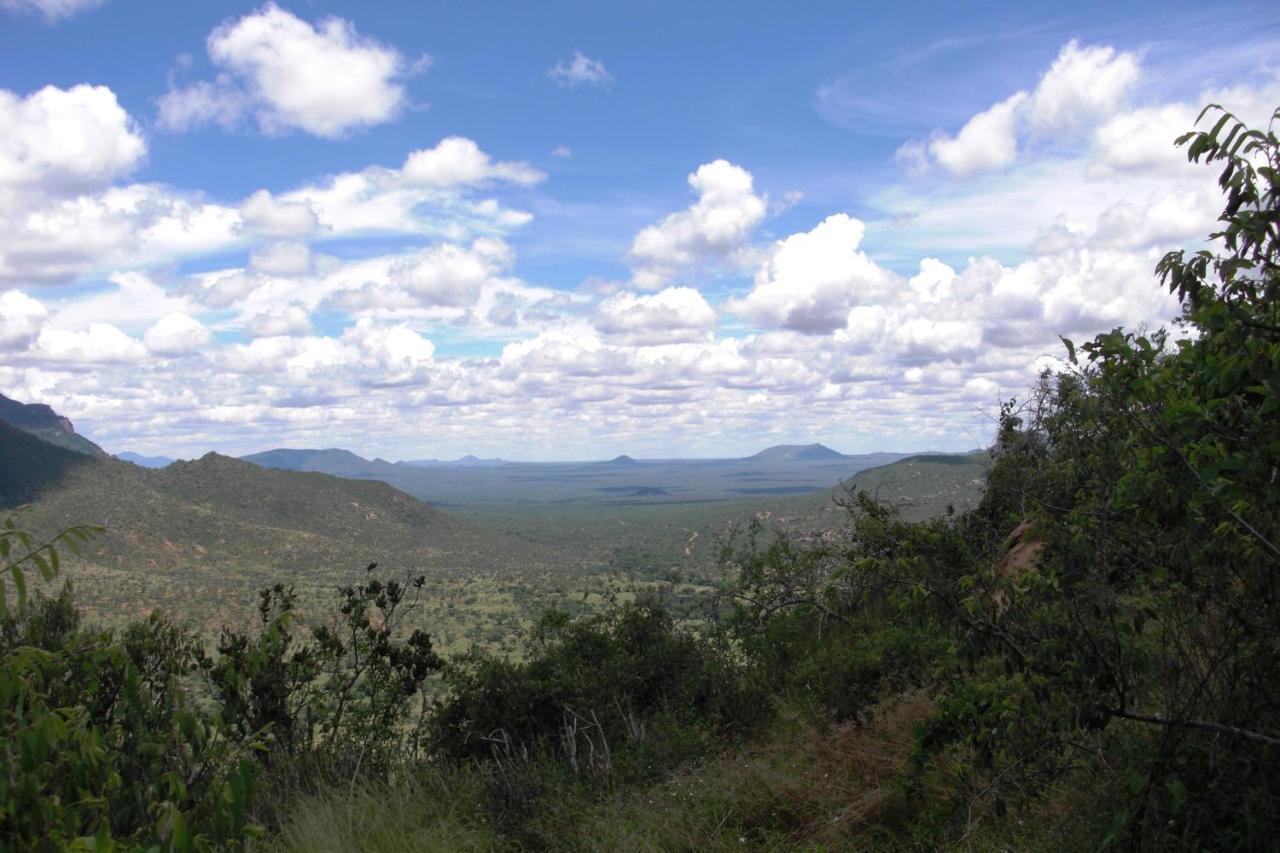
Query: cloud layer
386	307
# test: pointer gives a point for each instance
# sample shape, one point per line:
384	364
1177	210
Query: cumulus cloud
276	320
580	70
101	343
51	10
55	240
21	319
422	196
672	315
451	275
176	335
715	227
283	259
811	279
902	332
390	354
1085	86
268	216
325	79
987	141
1142	139
457	161
66	140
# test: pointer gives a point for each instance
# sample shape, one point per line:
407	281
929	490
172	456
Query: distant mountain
144	461
43	422
471	459
797	452
468	461
624	459
340	463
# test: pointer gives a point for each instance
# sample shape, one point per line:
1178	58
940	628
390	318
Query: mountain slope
921	487
43	422
200	538
29	466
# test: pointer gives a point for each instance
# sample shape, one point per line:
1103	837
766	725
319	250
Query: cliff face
44	423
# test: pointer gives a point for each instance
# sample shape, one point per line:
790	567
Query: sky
574	230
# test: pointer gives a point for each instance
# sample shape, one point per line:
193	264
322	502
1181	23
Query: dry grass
428	813
804	786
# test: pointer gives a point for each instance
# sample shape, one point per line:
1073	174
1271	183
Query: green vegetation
1089	657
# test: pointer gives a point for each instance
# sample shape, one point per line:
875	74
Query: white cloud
390	354
283	259
277	320
21	319
1142	139
580	70
811	280
101	343
51	10
326	80
131	301
672	315
563	151
65	140
296	357
175	335
450	275
715	227
221	102
424	196
987	141
1084	85
458	161
264	214
54	240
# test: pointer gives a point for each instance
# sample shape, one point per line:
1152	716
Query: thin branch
1196	724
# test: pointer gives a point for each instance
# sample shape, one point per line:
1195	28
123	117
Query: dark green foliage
30	466
1147	629
1112	607
103	742
343	698
616	685
846	620
107	738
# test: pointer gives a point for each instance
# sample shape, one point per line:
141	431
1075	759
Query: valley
500	542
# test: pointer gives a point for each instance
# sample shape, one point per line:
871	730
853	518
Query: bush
102	740
610	692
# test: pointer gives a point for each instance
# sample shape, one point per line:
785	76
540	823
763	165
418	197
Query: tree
1146	480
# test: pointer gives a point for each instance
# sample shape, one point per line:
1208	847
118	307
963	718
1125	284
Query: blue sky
678	228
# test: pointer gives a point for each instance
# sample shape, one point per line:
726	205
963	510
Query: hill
144	461
340	463
802	452
921	487
42	421
200	538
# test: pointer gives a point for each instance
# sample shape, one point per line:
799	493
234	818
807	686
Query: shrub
613	691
